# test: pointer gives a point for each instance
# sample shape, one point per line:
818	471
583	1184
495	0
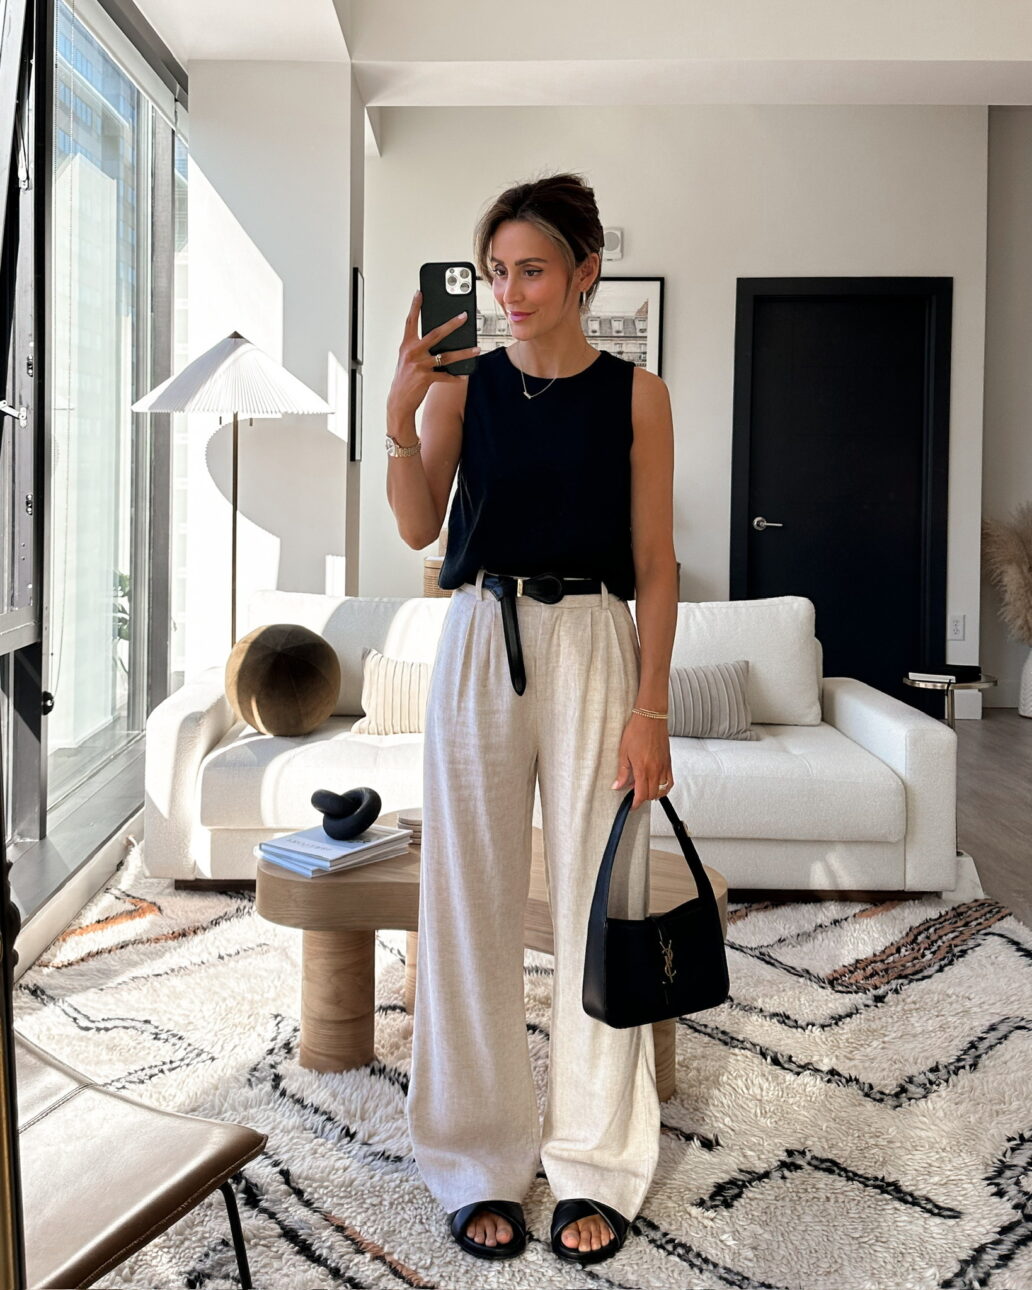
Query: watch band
395	449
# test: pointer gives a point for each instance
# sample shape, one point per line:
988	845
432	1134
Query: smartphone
448	287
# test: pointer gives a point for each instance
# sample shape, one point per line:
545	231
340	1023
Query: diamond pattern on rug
855	1116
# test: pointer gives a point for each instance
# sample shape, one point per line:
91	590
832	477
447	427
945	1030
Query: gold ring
437	360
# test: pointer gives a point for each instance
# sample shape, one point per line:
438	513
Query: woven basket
431	568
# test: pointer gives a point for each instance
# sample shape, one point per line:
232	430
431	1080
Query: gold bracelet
647	712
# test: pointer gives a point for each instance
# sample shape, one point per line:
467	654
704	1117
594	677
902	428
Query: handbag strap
600	900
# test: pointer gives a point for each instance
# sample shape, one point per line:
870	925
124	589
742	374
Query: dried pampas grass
1007	556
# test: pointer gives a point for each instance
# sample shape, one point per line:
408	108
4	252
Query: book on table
313	851
959	672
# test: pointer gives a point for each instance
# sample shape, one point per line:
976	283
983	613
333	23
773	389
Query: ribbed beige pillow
710	701
393	695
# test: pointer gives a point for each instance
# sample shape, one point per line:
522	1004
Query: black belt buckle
505	587
548	587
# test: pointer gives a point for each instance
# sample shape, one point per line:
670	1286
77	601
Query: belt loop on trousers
605	596
480	583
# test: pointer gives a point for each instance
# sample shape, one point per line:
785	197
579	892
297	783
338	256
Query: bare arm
652	523
418	486
644	758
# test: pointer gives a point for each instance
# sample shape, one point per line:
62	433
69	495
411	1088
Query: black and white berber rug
857	1117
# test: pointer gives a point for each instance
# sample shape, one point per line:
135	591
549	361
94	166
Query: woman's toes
478	1231
587	1234
485	1229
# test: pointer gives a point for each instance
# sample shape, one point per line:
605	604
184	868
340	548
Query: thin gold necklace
523	381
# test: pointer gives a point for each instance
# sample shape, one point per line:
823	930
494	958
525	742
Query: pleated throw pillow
710	701
393	695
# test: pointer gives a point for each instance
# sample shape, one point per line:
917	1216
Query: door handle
759	523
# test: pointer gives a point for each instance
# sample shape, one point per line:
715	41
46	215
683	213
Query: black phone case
439	305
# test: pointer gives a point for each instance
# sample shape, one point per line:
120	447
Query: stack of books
313	852
949	672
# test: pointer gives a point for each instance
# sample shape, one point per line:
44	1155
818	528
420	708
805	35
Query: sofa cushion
402	628
804	782
394	694
710	701
253	781
776	635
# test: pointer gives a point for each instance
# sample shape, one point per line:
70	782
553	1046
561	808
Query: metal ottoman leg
238	1235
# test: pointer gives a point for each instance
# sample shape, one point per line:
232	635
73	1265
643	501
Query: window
91	642
96	587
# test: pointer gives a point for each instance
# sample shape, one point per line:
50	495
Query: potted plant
1007	555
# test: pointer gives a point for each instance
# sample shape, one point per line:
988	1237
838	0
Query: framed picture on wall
357	314
626	318
355	435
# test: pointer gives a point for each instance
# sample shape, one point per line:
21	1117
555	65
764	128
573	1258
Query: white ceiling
590	52
256	30
668	81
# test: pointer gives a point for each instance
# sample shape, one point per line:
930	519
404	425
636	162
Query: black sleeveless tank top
544	484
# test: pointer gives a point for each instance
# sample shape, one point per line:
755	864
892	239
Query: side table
340	914
984	682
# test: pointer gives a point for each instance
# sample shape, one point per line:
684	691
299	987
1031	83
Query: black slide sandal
510	1210
569	1211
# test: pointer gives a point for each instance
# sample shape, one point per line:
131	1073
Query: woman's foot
586	1234
489	1229
587	1231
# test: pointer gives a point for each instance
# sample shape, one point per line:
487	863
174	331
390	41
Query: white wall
1007	460
269	229
705	194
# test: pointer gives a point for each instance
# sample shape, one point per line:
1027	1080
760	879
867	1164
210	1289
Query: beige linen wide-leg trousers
472	1108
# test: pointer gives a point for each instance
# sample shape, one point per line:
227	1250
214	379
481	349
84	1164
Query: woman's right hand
416	371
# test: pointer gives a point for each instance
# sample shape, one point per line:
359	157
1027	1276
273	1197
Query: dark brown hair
562	207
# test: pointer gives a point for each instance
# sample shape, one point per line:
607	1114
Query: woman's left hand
645	759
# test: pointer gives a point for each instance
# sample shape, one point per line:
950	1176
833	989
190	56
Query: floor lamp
235	378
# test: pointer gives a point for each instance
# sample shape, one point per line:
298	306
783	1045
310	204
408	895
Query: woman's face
530	281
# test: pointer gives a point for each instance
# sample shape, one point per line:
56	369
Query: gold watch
395	449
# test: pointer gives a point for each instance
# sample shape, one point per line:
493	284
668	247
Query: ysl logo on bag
668	958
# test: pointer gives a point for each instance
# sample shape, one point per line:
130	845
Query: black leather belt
549	587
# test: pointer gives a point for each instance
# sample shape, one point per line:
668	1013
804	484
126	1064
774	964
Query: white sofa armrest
181	731
923	753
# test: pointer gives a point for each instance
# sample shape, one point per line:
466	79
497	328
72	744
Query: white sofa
844	789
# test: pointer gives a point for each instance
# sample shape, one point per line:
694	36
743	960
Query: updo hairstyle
563	208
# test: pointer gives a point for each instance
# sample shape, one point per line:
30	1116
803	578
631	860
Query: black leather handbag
637	971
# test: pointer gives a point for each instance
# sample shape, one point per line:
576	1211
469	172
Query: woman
563	512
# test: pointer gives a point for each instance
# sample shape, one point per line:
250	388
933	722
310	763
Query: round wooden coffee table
340	914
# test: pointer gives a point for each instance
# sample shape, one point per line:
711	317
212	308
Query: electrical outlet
956	627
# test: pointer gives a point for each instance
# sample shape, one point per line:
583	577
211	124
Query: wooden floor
994	804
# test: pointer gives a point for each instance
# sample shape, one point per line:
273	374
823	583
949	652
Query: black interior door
839	472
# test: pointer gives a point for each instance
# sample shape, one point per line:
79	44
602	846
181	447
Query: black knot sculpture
346	815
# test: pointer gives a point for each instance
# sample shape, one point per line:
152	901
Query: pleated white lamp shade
233	376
